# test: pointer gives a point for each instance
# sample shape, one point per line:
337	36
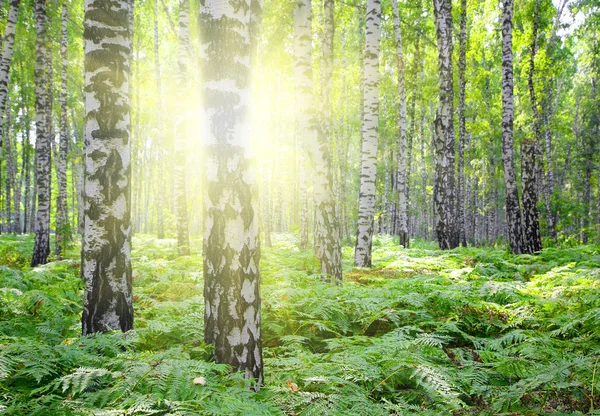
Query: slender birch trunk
9	183
402	186
370	120
231	241
444	187
533	240
106	245
27	181
63	232
7	52
549	188
305	112
462	128
159	137
179	170
513	210
43	145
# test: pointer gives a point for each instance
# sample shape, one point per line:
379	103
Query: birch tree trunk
159	137
305	112
327	225
63	232
462	128
9	183
444	186
7	52
106	245
43	146
370	121
533	240
231	240
402	186
513	210
26	173
179	170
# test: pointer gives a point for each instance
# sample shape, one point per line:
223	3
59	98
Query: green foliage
470	331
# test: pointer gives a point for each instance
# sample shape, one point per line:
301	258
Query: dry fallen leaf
291	385
200	381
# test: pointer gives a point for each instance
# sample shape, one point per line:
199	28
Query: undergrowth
425	332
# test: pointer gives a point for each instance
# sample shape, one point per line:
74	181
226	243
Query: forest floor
425	332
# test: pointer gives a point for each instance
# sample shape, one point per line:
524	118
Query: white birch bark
179	169
370	120
106	244
402	186
7	52
444	184
43	146
231	241
513	210
62	215
159	137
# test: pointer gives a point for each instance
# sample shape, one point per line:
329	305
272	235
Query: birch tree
370	120
313	137
43	158
401	174
7	52
462	129
444	186
513	209
529	163
183	239
159	137
106	244
62	215
231	241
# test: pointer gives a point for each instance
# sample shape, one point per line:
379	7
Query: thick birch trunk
370	120
179	170
63	232
444	186
231	241
327	227
513	210
43	145
533	240
106	245
402	173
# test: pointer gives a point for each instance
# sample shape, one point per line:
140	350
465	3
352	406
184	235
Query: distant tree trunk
26	173
159	137
402	186
529	163
106	244
43	145
231	242
513	210
549	188
462	128
370	120
63	232
10	171
179	170
444	187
